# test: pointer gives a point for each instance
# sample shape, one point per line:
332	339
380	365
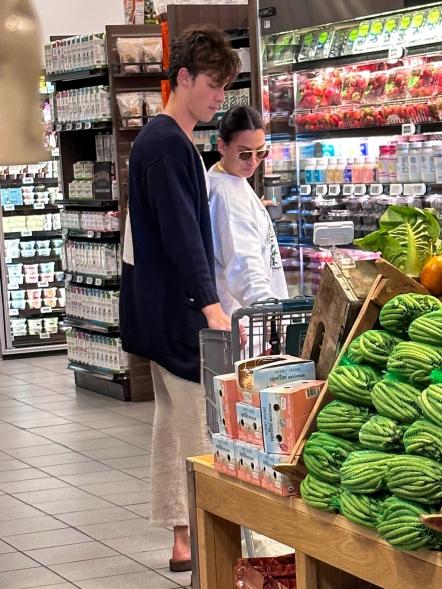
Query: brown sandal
180	566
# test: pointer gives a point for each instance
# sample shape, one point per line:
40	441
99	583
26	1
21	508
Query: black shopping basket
272	327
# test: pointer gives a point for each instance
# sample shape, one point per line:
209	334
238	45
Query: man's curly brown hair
203	50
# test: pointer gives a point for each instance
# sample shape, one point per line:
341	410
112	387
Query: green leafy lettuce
406	237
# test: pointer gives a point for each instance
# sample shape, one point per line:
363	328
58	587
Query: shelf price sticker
68	277
58	127
419	189
395	53
91	234
79	279
69	127
39	205
8	260
28	180
408	190
376	189
305	189
321	190
408	129
26	233
98	282
43	284
396	189
45	335
348	189
334	190
13	286
360	189
88	125
89	280
78	126
13	312
207	147
46	310
9	207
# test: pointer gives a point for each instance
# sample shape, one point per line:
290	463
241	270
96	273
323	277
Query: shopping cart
272	327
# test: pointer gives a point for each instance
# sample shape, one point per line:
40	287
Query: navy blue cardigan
173	275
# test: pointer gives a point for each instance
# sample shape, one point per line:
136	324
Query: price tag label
12	286
45	336
26	233
69	127
46	309
68	277
360	190
395	53
58	127
8	260
408	129
9	207
376	189
98	282
89	280
28	180
79	279
321	189
78	126
88	125
408	190
91	234
207	147
348	189
39	205
396	189
13	312
419	189
305	189
56	152
334	190
43	284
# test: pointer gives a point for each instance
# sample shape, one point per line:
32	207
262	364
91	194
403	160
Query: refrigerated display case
354	115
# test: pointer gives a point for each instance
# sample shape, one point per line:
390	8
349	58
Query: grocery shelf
44	339
90	325
32	260
87	203
241	79
88	280
27	313
28	181
103	372
83	126
421	128
8	211
81	74
161	75
28	286
32	234
102	235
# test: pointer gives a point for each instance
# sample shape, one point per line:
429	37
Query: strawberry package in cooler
421	82
396	84
354	86
266	573
375	88
437	73
321	91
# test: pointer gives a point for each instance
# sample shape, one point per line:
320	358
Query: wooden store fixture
331	552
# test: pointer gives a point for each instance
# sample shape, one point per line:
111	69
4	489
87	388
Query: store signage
376	189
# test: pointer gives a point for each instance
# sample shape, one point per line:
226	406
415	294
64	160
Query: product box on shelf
103	180
275	481
224	454
247	462
226	391
249	424
284	411
259	373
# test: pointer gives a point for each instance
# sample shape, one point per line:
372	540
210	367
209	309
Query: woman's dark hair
203	50
237	119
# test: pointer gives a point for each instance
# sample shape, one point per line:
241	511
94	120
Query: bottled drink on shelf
392	163
402	167
384	159
428	171
348	171
414	162
330	175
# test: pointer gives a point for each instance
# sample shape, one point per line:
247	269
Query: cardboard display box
249	424
224	454
227	395
247	462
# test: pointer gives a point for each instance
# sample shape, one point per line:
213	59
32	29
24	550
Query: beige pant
179	431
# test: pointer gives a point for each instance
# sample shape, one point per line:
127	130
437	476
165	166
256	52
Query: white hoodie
247	260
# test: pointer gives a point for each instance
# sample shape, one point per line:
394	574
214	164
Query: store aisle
74	486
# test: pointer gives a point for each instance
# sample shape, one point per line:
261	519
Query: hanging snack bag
153	102
151	53
130	52
130	105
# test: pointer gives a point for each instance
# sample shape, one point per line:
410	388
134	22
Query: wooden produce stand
331	552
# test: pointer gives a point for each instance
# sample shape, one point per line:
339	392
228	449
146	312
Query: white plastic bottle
402	167
437	160
428	172
414	162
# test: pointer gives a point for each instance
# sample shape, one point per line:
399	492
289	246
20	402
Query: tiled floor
74	486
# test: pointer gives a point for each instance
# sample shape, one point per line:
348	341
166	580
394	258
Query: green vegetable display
400	525
425	439
361	509
319	494
414	362
372	347
407	237
364	471
382	433
342	419
427	329
416	478
353	383
397	315
430	402
324	455
397	400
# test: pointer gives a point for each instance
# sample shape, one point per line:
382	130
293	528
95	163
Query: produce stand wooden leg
306	571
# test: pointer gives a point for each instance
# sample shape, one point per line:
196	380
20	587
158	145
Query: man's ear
184	78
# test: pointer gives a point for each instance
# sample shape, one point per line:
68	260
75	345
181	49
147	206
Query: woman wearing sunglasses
247	260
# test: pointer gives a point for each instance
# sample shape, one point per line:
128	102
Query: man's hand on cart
216	318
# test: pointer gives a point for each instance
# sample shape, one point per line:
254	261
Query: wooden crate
389	283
